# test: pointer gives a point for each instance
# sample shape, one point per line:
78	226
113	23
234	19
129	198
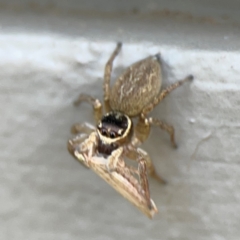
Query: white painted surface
46	60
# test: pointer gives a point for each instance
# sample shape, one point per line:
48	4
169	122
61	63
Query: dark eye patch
104	132
112	134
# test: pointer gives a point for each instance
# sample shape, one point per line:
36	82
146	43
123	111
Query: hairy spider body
137	86
105	147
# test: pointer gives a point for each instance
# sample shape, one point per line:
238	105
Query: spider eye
104	132
112	134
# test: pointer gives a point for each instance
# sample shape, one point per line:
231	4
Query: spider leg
107	76
138	154
142	130
86	128
97	106
143	127
164	126
163	94
114	158
82	144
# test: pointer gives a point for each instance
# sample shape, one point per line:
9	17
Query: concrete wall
52	51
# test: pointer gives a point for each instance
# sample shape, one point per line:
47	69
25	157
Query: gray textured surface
47	59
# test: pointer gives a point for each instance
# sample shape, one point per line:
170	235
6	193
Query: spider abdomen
136	87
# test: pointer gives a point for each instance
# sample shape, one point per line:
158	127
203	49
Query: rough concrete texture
45	194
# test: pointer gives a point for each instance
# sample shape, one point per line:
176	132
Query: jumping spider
104	148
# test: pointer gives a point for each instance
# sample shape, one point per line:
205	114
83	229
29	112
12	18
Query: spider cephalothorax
105	147
114	130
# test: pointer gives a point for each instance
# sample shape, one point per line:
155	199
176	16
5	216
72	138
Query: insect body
105	147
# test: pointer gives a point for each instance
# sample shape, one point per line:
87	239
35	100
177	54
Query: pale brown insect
104	148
